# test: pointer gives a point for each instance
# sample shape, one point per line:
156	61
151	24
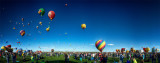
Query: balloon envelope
3	47
100	45
41	11
22	32
51	14
83	26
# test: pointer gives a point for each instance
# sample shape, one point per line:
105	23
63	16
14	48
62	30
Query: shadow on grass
60	61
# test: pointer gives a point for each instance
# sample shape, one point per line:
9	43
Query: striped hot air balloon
100	45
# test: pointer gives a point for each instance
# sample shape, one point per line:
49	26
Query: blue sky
122	23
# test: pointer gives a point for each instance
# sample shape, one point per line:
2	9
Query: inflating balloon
83	26
41	11
22	32
100	45
51	14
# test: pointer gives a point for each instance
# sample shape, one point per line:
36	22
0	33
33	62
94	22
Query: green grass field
60	59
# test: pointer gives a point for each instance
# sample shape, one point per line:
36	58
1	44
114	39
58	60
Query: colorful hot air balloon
147	49
83	26
123	50
3	47
22	32
51	14
41	11
100	45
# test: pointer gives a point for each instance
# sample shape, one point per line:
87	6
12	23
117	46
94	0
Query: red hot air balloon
8	46
144	49
51	14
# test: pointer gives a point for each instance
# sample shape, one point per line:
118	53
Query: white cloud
91	44
110	44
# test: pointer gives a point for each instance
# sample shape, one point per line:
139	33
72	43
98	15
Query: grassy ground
60	59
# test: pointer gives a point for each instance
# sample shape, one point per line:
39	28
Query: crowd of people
96	57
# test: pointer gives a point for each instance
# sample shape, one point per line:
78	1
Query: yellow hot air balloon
47	29
147	49
40	23
127	51
3	47
83	26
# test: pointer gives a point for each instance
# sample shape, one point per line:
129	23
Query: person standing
141	58
154	58
66	58
7	57
104	60
14	58
158	55
121	58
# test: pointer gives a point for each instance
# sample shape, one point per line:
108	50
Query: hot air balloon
157	49
123	50
51	14
22	19
9	46
147	49
127	51
22	32
14	28
83	26
66	4
28	23
117	50
3	47
47	29
132	49
144	49
100	45
40	23
41	11
153	50
37	27
52	50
